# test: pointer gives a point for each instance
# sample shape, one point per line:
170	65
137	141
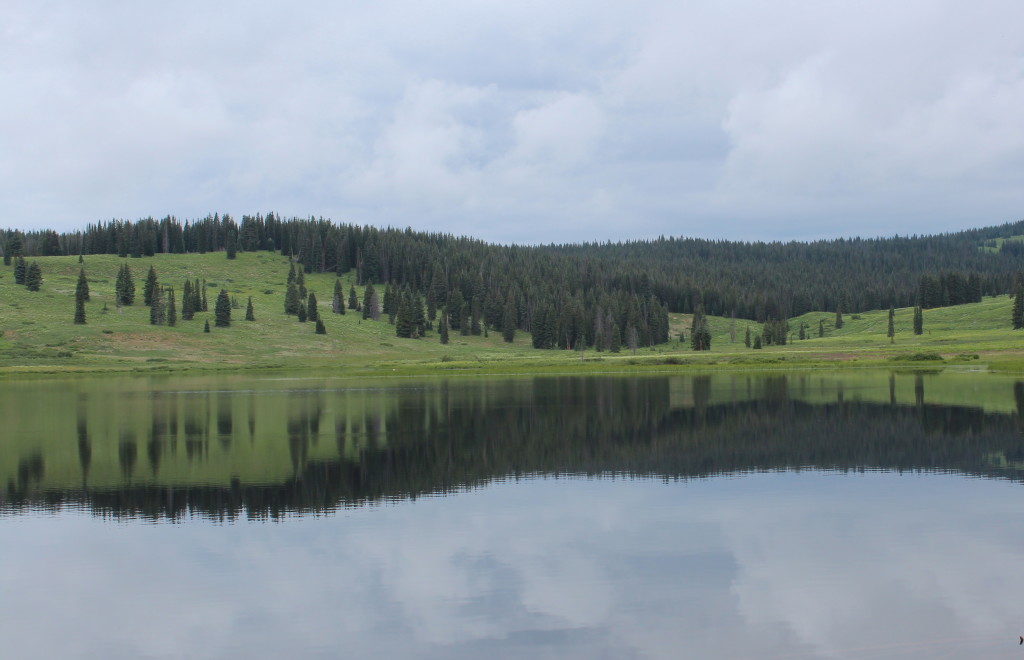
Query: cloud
518	122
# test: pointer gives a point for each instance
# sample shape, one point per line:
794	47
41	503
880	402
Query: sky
519	122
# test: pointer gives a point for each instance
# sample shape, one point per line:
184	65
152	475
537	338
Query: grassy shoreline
38	338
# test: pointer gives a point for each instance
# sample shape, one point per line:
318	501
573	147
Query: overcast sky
526	122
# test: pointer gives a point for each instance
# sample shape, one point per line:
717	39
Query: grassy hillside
38	334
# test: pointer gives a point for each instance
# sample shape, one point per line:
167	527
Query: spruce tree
250	315
82	287
746	338
337	303
301	314
918	321
616	342
80	304
172	310
839	318
700	334
206	328
151	289
353	299
821	328
33	277
757	342
300	281
320	328
371	304
891	332
20	267
443	331
156	310
291	300
188	309
205	307
222	310
403	317
312	313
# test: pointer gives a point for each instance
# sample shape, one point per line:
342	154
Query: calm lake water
863	515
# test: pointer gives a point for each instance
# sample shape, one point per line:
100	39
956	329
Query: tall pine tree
222	310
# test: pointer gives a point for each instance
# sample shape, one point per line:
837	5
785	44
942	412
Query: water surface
725	516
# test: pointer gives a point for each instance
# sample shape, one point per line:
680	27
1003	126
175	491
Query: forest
588	294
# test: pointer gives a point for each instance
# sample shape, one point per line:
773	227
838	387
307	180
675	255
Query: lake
808	515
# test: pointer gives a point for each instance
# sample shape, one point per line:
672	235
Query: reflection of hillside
432	440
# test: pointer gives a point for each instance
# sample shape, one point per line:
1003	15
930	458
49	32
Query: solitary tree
320	328
82	288
292	303
206	328
250	315
222	310
746	338
80	293
918	321
125	286
892	325
337	301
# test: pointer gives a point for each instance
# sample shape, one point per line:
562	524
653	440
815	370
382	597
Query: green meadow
38	335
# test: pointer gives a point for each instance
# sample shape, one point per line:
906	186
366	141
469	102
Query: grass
37	334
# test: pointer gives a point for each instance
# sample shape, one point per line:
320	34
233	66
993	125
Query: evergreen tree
616	341
839	318
803	331
443	331
757	342
302	314
80	293
151	289
222	311
20	267
204	305
700	334
172	309
746	338
82	288
353	299
403	317
371	305
320	328
312	313
918	321
156	310
891	332
230	244
300	281
337	302
188	309
390	303
33	277
1018	309
250	315
821	328
292	303
206	328
475	312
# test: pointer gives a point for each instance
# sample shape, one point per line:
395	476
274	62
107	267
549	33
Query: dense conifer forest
588	294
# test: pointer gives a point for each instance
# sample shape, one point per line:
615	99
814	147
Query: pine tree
839	318
1018	309
250	315
33	277
206	328
803	331
371	304
337	303
746	338
821	328
302	314
172	310
82	288
20	267
151	289
203	300
616	342
918	321
403	317
757	342
230	246
891	332
312	313
188	309
222	311
300	281
320	328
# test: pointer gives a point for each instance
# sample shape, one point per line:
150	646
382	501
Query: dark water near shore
812	515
